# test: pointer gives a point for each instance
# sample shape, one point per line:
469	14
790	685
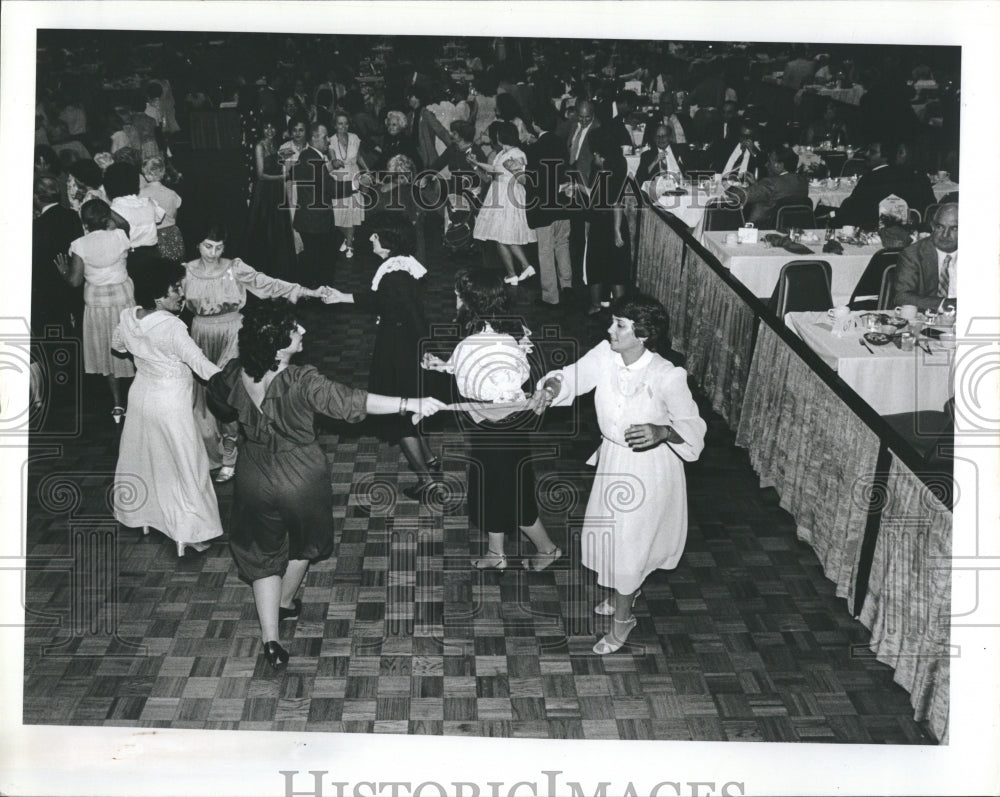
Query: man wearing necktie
927	271
744	157
661	158
581	162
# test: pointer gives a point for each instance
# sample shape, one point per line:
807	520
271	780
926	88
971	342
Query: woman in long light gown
636	519
162	478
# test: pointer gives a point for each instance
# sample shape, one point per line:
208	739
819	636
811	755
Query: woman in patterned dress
215	289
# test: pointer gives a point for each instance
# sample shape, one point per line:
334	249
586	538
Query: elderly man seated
926	273
663	157
781	186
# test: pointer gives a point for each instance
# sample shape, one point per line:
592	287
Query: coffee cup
731	239
907	311
839	312
847	229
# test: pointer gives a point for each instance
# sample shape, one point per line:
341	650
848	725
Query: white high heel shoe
613	641
197	547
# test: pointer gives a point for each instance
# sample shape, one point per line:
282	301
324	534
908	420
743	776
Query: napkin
786	243
833	247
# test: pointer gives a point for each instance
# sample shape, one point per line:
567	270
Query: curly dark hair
400	238
121	179
484	300
153	280
648	317
267	328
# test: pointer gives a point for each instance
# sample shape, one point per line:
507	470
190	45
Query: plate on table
877	338
892	321
675	192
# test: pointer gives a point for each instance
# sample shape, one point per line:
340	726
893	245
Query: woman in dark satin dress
282	515
269	239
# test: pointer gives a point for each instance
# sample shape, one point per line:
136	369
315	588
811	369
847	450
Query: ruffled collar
398	263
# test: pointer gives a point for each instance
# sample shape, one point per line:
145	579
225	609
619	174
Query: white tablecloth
833	195
757	266
689	207
889	380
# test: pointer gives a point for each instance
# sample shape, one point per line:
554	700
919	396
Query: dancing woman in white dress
636	519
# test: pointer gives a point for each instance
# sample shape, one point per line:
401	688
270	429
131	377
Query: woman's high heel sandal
547	558
492	561
117	414
276	655
606	608
612	642
197	547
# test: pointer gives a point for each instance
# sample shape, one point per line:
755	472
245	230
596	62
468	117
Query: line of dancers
236	370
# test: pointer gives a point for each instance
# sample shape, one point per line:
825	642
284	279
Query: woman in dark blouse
282	514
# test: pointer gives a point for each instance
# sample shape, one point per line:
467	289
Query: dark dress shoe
419	491
276	655
287	614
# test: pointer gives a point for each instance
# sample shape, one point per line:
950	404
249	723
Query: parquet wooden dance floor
744	641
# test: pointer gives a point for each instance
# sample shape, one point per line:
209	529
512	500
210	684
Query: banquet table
833	192
687	201
757	265
888	379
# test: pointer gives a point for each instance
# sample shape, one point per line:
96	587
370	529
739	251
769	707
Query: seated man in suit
745	158
926	273
662	158
884	177
781	186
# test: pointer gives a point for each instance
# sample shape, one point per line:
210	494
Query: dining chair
794	214
802	285
866	294
930	212
887	290
854	166
719	216
914	217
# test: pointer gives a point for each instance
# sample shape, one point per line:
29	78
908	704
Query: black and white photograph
502	398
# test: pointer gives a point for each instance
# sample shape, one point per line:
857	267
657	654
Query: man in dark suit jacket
781	186
53	301
665	157
742	158
581	167
927	270
313	215
883	178
667	115
547	210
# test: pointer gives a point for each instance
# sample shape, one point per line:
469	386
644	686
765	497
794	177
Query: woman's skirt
103	305
217	336
348	210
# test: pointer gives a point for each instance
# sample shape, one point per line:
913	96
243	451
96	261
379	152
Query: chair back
914	217
802	285
866	294
929	214
887	291
854	166
718	216
794	214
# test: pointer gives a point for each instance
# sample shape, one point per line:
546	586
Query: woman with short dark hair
162	479
282	516
636	520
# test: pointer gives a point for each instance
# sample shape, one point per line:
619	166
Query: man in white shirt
745	157
927	271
